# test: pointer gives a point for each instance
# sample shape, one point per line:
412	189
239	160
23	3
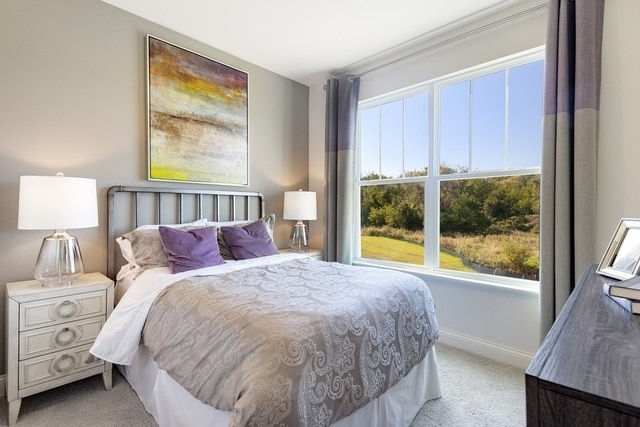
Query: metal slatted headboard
130	207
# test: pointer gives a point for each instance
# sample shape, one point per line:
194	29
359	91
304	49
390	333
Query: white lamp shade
57	202
299	205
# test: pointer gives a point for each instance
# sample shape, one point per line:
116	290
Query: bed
229	331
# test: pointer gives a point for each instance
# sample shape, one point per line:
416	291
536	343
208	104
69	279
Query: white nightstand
49	333
311	253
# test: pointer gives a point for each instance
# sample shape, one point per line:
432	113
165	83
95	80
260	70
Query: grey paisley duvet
298	343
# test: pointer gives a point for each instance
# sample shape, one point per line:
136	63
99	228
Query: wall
618	140
72	99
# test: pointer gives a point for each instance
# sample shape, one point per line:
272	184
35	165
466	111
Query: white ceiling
305	40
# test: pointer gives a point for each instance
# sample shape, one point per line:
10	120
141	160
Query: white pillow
269	220
196	223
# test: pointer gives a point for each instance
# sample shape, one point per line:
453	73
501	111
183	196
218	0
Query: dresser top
594	345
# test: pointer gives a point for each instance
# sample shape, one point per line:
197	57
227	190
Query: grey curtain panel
570	133
340	145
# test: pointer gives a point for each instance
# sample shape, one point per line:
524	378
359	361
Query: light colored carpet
475	392
82	404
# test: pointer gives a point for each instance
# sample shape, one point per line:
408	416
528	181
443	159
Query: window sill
526	287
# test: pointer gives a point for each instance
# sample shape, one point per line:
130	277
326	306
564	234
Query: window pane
454	127
370	142
491	225
392	222
488	122
525	115
416	125
391	140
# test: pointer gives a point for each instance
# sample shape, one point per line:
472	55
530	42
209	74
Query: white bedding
172	405
119	338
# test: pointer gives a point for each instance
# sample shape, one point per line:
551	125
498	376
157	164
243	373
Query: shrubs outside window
449	176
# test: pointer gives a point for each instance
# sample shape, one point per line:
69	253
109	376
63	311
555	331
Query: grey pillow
147	248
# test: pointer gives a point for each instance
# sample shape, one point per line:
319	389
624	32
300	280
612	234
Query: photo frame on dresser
622	257
197	117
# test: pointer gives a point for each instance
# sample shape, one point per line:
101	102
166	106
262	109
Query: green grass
385	248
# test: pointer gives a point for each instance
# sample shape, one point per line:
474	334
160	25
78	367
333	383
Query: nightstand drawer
47	312
55	365
54	338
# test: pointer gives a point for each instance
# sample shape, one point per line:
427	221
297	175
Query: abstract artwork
197	117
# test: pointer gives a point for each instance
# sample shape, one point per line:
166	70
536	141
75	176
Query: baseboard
3	385
486	349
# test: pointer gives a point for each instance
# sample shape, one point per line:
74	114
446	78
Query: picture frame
197	117
622	257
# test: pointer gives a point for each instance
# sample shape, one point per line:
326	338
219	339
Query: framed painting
622	258
197	117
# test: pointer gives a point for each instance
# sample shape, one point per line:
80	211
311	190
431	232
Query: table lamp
300	206
57	203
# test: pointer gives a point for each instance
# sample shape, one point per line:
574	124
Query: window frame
432	180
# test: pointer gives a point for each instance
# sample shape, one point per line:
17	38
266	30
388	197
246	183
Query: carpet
476	392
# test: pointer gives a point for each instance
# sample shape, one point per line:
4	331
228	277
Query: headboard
130	207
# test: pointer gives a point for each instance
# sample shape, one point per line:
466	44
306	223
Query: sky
492	122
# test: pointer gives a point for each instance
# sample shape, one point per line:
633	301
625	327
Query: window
449	176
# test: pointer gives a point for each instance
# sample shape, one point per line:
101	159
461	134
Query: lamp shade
57	202
299	205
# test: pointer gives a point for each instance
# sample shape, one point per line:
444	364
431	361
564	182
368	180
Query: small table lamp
299	205
57	203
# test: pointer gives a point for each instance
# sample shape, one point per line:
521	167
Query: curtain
340	145
570	133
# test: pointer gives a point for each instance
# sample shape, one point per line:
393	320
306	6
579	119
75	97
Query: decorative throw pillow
268	220
249	241
191	249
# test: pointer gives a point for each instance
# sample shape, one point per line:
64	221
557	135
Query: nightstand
311	253
49	333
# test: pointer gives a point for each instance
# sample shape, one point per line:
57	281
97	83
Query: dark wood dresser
587	371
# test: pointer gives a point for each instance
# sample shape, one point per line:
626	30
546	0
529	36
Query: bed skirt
172	405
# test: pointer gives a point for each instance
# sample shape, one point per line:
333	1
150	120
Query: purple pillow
250	241
192	249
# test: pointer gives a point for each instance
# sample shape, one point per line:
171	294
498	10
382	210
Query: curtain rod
459	37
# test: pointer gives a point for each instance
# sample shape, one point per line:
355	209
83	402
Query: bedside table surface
312	253
22	291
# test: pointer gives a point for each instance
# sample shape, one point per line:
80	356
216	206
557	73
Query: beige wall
72	99
619	139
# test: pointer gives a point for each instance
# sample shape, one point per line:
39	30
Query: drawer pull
67	309
65	336
64	363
